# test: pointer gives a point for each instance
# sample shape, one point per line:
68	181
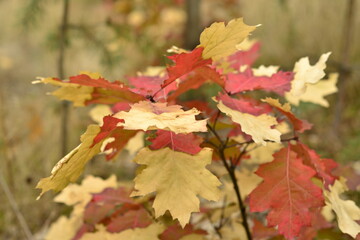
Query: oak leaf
69	168
285	109
279	82
258	127
148	116
244	56
346	210
287	192
183	177
187	143
149	233
220	40
184	64
316	93
306	74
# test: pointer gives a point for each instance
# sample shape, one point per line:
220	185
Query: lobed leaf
183	177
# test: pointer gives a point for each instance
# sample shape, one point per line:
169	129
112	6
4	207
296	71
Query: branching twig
15	208
231	172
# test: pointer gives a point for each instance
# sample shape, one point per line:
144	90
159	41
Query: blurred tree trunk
192	28
344	68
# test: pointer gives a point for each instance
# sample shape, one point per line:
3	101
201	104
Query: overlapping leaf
183	177
220	40
147	116
69	168
299	125
279	82
88	88
306	74
258	127
287	192
187	143
316	93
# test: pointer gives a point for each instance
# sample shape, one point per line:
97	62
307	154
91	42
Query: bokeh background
117	38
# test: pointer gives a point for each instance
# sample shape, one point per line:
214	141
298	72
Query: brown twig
231	172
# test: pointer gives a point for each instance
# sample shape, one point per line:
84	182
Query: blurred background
117	38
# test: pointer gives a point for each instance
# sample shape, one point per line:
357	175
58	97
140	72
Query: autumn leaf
183	177
220	40
244	105
187	143
175	232
88	88
285	109
75	93
258	127
316	93
323	167
346	210
306	74
68	169
196	79
148	116
245	56
149	233
287	192
184	64
279	82
118	136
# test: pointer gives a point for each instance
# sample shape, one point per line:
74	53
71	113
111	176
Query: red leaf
323	167
196	79
279	82
262	232
106	92
298	124
187	143
245	105
82	230
248	57
318	222
148	85
175	232
121	136
287	192
131	219
184	64
113	196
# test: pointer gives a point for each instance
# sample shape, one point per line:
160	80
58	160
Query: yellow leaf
220	41
177	178
69	168
346	210
193	237
149	233
265	71
135	143
98	112
64	228
73	92
315	93
148	116
258	127
306	74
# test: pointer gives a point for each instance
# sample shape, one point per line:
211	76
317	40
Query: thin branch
295	138
15	208
231	172
61	71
